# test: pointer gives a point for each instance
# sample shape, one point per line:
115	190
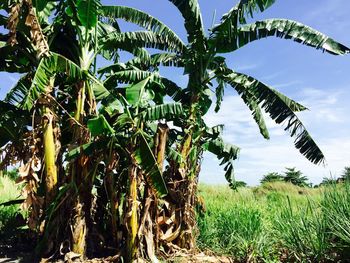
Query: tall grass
302	232
336	210
233	224
277	222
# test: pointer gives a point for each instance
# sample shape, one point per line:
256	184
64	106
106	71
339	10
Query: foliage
328	181
346	173
9	214
336	209
295	177
303	232
271	177
92	142
238	184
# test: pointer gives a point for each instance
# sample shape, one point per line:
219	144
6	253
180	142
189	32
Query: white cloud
286	84
272	76
247	67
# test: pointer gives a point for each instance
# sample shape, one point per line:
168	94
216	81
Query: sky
318	80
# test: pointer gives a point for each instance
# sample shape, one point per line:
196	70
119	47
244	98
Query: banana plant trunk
79	175
132	215
182	197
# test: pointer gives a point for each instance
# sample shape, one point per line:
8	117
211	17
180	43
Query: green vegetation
271	177
291	175
91	139
295	177
346	173
8	191
276	222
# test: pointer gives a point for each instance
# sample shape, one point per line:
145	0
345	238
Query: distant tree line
296	177
291	175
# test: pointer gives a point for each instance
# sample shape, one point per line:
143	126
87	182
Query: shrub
271	177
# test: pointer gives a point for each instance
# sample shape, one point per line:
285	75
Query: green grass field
271	223
276	222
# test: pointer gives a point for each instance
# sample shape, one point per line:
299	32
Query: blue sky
318	80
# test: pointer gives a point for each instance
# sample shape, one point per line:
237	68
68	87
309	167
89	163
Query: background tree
346	173
271	177
296	177
328	181
240	184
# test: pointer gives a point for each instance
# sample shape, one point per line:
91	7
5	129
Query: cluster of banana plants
109	154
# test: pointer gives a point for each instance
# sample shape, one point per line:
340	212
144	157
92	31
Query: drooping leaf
219	92
252	102
45	9
15	59
155	60
226	153
104	29
214	132
173	90
122	121
145	158
47	69
112	106
281	109
18	92
130	76
111	69
100	92
13	123
74	153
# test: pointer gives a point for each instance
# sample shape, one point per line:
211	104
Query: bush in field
346	173
271	177
327	181
295	177
238	184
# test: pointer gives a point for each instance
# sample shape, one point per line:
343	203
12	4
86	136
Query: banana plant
132	126
52	72
106	138
201	58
